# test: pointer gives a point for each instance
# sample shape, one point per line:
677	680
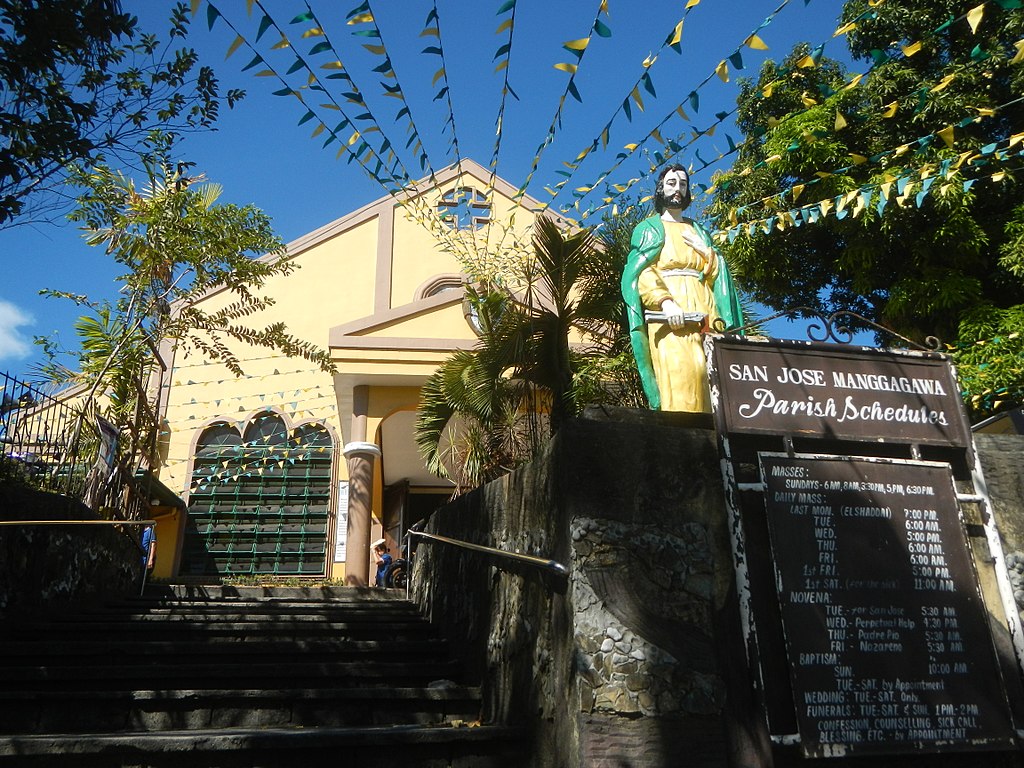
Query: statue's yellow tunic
685	274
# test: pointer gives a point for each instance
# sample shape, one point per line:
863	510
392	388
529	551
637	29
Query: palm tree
485	411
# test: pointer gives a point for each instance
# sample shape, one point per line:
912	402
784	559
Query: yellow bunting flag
368	16
974	17
946	134
1016	139
636	98
767	90
943	83
826	206
806	62
677	35
234	46
506	24
847	27
577	45
1019	57
722	70
565	67
964	157
890	109
857	159
282	43
807	100
692	3
854	82
985	111
911	49
797	191
840	121
313	32
756	43
998	175
885	189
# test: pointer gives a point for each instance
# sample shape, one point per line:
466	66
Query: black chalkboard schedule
886	634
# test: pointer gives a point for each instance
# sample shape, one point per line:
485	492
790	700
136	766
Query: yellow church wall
333	282
418	256
446	323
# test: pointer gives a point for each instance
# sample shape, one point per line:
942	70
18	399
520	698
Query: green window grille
260	500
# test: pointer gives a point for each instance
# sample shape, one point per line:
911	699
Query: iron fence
59	445
41	440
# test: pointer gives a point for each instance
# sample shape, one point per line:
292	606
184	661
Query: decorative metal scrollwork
834	327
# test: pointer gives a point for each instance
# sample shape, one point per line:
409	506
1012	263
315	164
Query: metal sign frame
956	446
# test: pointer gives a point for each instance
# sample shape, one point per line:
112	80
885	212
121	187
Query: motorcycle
397	574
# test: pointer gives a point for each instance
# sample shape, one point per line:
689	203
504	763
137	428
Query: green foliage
945	265
991	371
176	245
485	411
81	83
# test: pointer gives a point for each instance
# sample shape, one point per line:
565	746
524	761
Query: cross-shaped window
464	208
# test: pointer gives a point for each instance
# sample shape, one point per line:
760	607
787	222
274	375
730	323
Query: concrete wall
52	566
628	661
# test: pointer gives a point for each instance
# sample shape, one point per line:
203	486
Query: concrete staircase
232	677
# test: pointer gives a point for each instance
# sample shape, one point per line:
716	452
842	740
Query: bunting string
913	186
634	97
503	56
362	15
396	184
442	74
812	59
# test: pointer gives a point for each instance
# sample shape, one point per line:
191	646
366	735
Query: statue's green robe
647	242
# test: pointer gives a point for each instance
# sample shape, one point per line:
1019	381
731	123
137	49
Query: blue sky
261	155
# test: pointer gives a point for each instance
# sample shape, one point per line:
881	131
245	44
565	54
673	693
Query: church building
290	471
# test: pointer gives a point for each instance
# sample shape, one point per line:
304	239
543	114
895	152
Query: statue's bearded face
673	192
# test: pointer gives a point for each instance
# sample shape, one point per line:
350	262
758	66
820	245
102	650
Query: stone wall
49	566
628	661
619	665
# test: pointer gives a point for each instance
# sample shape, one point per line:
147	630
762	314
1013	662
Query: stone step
445	746
296	671
224	592
146	710
241	629
122	651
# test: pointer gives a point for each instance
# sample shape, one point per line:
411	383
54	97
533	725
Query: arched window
259	500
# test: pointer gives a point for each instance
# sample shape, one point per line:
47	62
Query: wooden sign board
825	391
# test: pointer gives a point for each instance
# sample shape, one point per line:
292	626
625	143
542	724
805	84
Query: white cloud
12	343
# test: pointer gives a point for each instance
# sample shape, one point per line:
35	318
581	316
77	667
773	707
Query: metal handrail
544	564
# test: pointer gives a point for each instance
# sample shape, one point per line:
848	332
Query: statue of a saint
675	286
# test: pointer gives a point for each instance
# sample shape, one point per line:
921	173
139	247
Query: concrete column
360	456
